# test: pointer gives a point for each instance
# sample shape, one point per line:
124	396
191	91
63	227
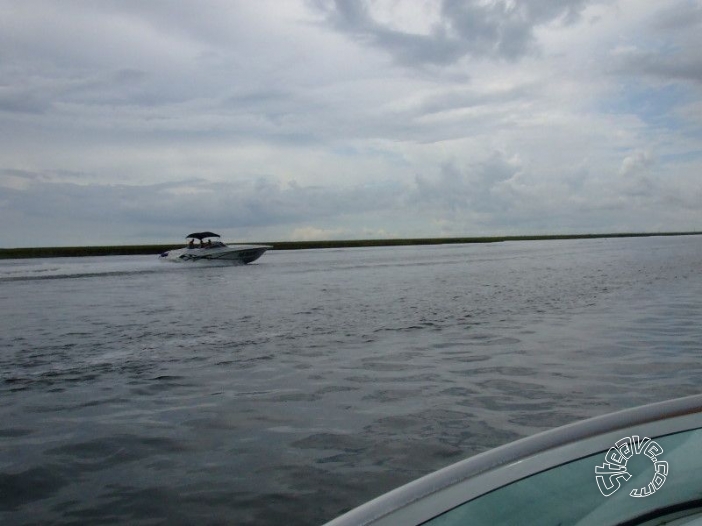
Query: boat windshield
569	494
638	466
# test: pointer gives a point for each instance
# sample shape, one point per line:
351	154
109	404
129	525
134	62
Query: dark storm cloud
499	29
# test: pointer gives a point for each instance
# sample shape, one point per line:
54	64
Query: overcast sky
140	121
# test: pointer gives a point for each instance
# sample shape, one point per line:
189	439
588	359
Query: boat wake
87	267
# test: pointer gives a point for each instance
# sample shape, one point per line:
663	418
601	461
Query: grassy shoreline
124	250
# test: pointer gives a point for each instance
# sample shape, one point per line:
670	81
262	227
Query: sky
132	121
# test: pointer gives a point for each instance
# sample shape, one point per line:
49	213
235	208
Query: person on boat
209	243
191	243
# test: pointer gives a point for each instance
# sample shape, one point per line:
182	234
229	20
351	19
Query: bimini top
202	235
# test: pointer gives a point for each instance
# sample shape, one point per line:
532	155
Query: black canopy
202	235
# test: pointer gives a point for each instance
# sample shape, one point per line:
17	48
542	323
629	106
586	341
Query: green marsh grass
125	250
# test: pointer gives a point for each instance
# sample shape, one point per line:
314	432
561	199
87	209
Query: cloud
138	121
678	16
670	53
664	66
15	100
636	163
635	174
180	205
473	190
499	29
310	233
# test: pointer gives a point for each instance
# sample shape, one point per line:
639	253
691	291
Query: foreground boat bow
576	474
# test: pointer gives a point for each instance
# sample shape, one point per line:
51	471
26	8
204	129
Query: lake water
134	391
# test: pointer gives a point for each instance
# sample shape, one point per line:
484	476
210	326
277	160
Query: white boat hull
242	254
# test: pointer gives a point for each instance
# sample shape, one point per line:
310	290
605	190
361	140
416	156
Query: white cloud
283	120
636	163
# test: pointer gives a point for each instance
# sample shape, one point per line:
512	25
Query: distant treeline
127	250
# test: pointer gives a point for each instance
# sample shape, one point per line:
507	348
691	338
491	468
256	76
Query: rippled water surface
287	391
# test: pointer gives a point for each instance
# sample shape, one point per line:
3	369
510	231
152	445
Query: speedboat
640	466
210	248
